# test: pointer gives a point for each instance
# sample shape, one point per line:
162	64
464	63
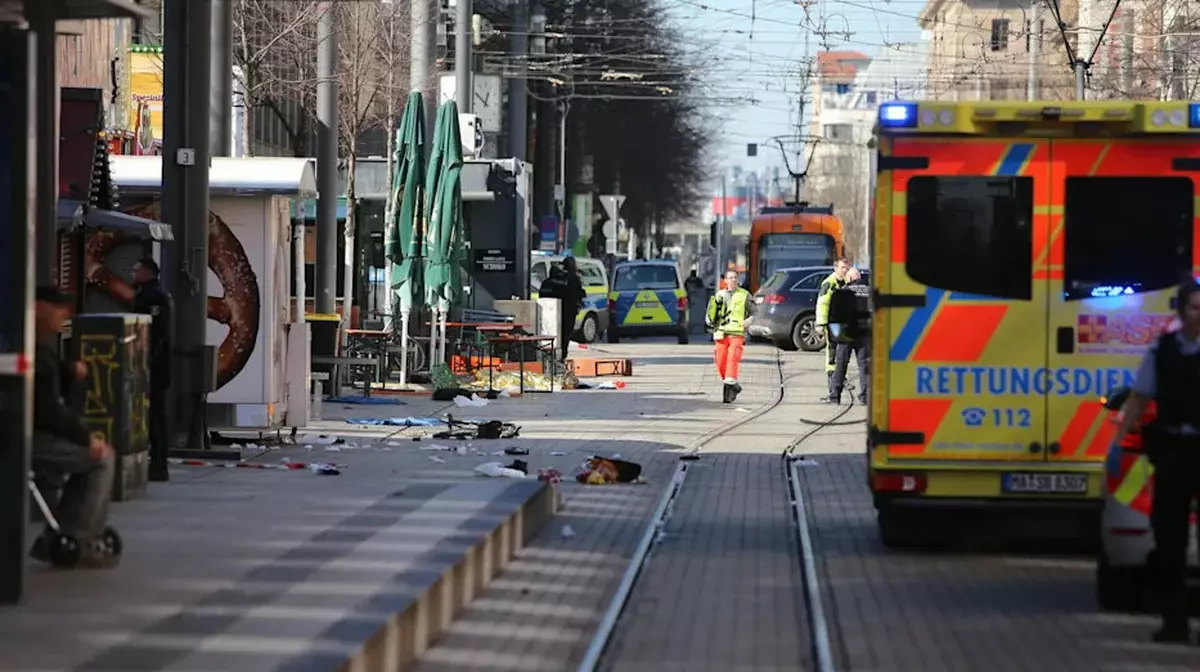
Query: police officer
1170	375
854	335
151	299
836	280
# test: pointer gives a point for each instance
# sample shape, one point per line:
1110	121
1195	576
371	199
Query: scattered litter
435	458
498	470
365	401
319	439
521	466
395	422
742	410
509	391
516	450
323	469
557	453
473	401
611	385
434	446
552	476
602	471
285	465
333	449
804	461
567	532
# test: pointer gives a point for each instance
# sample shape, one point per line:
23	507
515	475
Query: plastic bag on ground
473	401
498	470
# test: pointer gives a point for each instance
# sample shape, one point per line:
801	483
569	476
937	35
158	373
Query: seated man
62	445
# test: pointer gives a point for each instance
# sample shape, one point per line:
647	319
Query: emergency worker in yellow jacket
836	280
727	313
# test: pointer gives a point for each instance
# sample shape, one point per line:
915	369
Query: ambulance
1025	254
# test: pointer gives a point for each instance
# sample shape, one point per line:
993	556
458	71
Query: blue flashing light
1194	115
1106	291
898	115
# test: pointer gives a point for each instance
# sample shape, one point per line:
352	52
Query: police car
592	319
647	298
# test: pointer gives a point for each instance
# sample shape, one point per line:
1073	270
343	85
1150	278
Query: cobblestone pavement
969	607
542	612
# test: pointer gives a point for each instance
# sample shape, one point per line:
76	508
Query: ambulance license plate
1050	484
646	304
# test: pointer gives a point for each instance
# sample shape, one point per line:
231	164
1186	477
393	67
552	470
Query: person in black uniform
1170	374
854	337
564	284
151	299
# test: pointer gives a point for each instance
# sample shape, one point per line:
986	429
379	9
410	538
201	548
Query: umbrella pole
403	349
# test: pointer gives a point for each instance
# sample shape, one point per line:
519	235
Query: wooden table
347	362
509	339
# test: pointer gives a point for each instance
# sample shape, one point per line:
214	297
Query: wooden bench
340	363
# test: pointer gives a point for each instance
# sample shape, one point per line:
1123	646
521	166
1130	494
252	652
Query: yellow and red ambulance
1025	254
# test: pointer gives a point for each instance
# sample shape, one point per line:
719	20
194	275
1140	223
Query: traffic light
712	234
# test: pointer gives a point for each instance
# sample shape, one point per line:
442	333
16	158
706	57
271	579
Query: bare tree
394	58
840	170
273	47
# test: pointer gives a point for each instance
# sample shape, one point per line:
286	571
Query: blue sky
753	53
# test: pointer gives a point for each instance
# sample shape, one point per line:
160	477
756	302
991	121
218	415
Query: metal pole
327	148
720	242
422	70
518	87
1080	79
17	223
186	177
221	129
561	190
464	92
1035	47
46	187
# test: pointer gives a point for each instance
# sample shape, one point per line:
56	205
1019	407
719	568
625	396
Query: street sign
612	205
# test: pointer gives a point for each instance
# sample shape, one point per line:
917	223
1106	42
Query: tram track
662	514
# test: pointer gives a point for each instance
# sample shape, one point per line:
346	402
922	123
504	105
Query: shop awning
72	214
12	11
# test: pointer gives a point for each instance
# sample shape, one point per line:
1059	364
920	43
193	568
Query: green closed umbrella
444	232
402	241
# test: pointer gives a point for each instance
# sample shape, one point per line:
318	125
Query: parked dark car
785	309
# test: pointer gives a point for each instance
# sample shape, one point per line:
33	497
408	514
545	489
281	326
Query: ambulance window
971	234
1126	235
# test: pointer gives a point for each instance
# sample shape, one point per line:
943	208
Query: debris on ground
324	469
473	401
318	439
611	385
557	453
435	458
498	470
363	400
395	422
516	450
603	471
567	532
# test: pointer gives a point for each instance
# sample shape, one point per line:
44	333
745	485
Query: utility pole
1035	47
464	93
518	85
187	98
423	75
221	131
327	164
719	250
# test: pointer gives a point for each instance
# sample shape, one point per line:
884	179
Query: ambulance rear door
1123	223
963	322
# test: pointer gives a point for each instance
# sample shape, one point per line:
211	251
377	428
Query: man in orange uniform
727	313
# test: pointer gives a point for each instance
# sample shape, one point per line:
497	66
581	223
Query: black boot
159	472
862	399
734	390
727	394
